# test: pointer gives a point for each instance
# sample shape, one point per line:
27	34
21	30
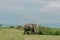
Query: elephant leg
29	31
33	31
25	31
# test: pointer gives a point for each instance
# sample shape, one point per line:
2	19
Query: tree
0	25
19	27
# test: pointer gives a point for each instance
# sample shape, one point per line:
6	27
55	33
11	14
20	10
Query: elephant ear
35	27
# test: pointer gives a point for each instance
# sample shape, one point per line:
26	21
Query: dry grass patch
41	37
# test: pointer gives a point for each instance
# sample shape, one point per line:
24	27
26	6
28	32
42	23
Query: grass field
11	34
41	37
15	34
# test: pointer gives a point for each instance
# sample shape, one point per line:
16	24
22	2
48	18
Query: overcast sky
29	11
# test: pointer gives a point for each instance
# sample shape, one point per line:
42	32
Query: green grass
11	34
41	37
15	34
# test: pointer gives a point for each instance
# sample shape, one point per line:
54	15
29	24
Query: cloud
24	11
53	4
53	7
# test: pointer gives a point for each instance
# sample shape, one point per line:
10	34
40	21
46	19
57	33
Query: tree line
17	27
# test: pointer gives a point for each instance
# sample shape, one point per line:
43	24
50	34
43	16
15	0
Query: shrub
19	27
11	27
57	33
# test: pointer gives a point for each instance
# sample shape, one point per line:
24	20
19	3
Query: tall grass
11	34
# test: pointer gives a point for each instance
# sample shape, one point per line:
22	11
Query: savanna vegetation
16	33
44	33
43	30
11	33
48	31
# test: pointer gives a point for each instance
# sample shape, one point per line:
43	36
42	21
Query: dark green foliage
0	25
44	30
57	33
19	27
11	27
48	31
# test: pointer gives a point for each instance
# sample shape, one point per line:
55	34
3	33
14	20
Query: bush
48	31
19	27
11	27
57	33
44	30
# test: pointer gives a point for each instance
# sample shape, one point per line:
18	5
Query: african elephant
32	28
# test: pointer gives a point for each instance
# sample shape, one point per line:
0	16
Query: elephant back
28	26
